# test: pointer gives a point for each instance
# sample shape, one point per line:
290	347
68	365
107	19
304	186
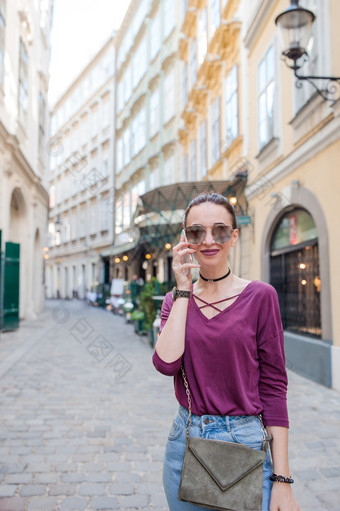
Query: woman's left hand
282	498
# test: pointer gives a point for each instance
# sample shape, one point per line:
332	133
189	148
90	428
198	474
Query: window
202	42
155	36
154	178
154	113
94	120
105	167
169	95
119	149
193	159
169	170
266	98
42	113
119	215
105	214
126	211
169	16
120	96
93	217
215	132
193	63
23	84
127	84
295	272
215	15
231	106
2	39
126	142
74	223
203	149
52	196
138	132
83	221
139	63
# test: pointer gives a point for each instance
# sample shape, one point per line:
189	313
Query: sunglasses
196	233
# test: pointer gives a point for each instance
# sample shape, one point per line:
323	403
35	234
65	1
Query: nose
209	240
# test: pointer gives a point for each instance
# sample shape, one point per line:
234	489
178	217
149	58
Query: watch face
174	293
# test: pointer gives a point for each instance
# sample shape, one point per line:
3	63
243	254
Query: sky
80	28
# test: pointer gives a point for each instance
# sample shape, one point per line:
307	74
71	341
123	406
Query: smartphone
188	258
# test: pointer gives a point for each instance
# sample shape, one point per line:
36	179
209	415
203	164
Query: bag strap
265	438
187	391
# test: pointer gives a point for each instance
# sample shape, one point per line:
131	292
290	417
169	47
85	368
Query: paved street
84	419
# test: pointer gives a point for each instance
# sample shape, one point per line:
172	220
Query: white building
24	60
148	114
81	180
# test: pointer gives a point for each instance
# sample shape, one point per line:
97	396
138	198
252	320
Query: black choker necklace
216	280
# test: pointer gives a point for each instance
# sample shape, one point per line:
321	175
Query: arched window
294	272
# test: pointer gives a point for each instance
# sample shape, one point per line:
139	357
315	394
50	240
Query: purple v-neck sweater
235	361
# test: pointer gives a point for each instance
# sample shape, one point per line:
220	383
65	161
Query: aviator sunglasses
196	233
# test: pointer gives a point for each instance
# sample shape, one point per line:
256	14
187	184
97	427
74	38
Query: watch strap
180	293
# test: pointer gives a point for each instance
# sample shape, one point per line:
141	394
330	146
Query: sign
293	229
243	220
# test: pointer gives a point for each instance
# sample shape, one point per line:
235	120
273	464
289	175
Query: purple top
235	362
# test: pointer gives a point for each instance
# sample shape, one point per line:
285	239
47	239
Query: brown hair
214	198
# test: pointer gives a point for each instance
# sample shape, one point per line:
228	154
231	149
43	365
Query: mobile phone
188	258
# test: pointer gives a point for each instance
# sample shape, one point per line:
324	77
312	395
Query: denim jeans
242	429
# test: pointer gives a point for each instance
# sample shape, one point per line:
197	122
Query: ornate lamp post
295	25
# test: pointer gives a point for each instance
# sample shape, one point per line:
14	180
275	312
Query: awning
119	249
160	213
178	196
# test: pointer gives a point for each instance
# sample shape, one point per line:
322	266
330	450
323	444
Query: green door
1	281
10	274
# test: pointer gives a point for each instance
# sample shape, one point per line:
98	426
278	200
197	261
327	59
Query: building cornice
312	147
257	22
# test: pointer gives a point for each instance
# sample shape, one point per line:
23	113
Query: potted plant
147	300
137	318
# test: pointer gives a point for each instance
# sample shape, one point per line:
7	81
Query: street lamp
295	26
58	224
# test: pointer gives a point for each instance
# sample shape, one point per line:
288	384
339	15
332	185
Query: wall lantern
295	26
167	246
147	256
233	200
125	258
117	260
58	224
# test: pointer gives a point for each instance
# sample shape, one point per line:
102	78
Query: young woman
227	332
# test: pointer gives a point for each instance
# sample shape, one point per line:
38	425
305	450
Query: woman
227	332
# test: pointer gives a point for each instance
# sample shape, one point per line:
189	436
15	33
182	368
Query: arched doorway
295	272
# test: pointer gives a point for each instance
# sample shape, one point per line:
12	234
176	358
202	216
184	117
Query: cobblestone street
84	419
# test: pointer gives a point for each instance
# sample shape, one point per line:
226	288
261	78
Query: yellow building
244	113
294	146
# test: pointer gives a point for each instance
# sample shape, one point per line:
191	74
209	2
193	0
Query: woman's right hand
180	267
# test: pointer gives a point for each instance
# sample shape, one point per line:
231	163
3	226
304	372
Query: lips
209	252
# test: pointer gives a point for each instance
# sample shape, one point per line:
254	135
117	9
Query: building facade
294	146
239	116
81	180
24	118
147	114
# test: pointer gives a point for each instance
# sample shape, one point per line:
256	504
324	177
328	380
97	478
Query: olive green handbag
221	475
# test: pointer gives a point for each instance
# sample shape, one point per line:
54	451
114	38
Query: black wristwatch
179	293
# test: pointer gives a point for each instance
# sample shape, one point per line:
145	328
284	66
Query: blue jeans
242	429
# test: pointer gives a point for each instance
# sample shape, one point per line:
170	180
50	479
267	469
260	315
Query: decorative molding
257	22
313	146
